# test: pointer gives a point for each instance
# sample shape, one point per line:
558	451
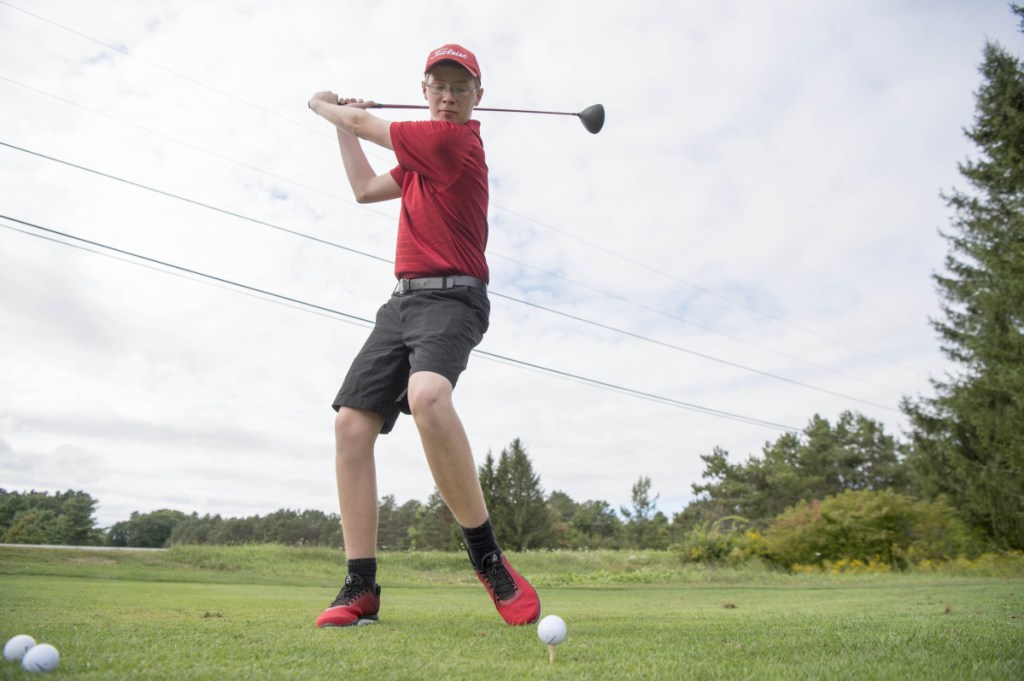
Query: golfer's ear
479	96
423	86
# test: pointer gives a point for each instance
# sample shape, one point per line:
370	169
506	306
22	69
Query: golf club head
593	118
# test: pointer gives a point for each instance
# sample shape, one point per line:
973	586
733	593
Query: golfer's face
451	93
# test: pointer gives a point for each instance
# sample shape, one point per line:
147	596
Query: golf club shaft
592	117
477	108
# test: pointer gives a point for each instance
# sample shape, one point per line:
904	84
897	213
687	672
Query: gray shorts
431	330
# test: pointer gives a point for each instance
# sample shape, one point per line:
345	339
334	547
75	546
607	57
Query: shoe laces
492	567
353	588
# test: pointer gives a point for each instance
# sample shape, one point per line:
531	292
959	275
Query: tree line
834	491
842	490
525	517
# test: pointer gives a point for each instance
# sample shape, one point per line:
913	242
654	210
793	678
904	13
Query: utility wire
186	270
708	291
265	294
692	352
196	203
688	322
637	393
493	292
181	275
564	233
194	147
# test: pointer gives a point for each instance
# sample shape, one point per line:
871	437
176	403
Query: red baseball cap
456	53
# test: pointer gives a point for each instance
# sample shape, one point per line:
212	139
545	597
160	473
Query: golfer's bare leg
355	432
447	447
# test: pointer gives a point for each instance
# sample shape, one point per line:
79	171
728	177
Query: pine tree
434	527
515	499
646	527
969	438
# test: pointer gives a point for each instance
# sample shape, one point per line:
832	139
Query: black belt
435	283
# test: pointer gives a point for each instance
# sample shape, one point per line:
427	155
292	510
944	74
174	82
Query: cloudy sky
749	241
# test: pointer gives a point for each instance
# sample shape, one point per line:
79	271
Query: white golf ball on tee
16	648
551	630
41	658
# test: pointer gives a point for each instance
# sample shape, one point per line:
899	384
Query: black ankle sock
480	541
366	568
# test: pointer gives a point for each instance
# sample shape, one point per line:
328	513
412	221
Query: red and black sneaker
515	599
357	604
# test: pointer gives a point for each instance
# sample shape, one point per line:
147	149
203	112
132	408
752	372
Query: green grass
247	612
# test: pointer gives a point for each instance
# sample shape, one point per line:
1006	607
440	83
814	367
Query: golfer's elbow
357	123
370	188
368	127
365	190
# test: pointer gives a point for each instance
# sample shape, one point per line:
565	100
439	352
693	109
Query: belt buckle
404	286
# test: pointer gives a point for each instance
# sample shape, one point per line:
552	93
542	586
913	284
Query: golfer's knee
355	430
430	398
424	403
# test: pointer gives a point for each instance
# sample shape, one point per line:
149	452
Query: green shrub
724	541
871	527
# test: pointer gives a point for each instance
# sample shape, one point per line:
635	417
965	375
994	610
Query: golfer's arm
367	185
356	121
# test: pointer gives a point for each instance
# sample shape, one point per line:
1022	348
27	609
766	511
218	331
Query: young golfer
423	335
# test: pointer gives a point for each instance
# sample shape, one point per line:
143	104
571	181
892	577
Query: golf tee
551	653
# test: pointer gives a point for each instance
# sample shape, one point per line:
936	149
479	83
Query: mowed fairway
114	622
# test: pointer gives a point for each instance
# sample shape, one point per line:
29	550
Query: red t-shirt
442	229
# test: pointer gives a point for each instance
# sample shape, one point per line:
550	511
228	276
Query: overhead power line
114	256
612	252
703	327
494	293
263	293
194	202
189	145
186	270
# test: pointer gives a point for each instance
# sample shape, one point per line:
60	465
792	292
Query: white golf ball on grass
551	630
16	648
41	658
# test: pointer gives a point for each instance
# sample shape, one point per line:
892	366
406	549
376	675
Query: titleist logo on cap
447	50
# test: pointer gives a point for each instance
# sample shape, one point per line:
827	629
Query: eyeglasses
458	92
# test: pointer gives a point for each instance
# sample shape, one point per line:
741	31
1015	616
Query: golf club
592	117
